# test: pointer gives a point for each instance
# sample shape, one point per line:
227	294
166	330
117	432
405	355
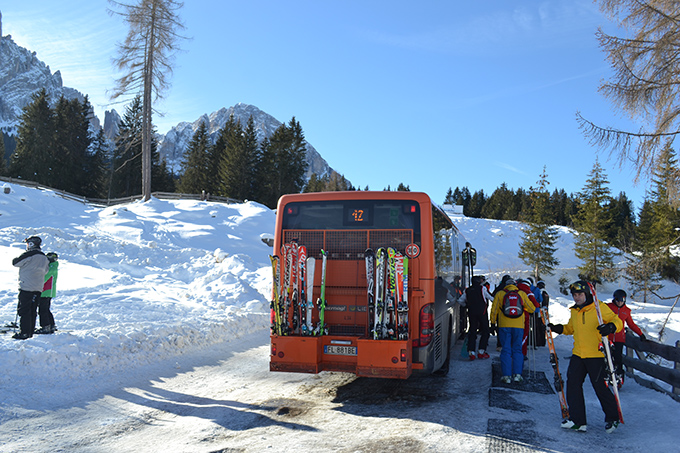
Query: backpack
512	304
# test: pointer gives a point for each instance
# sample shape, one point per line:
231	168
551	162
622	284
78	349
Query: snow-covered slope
144	287
137	282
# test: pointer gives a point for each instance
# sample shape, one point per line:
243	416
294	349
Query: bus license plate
340	350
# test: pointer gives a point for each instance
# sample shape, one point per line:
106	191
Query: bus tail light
425	326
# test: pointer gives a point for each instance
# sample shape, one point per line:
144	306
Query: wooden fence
114	201
645	350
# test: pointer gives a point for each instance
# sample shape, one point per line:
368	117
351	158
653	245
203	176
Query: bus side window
443	234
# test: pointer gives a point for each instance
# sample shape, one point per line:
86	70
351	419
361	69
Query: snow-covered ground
164	299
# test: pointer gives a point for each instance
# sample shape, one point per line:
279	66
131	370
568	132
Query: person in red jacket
618	306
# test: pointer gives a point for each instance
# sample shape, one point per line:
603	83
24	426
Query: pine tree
194	177
666	217
70	152
643	270
476	204
96	185
239	158
283	163
126	169
593	223
3	160
499	204
537	247
449	197
34	136
623	222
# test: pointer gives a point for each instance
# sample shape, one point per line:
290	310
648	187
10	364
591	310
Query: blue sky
435	95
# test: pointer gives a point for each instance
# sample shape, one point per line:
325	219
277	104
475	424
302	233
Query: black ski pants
478	322
27	311
576	375
617	356
44	313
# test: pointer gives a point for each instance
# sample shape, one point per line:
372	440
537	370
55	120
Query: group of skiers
514	306
37	286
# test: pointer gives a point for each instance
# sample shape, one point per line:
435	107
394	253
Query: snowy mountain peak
21	75
173	145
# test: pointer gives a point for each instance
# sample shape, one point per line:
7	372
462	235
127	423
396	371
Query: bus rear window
355	214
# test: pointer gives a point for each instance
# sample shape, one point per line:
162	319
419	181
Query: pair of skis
559	383
611	371
387	293
292	304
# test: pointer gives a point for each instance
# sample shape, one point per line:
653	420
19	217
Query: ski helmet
52	256
579	287
620	295
33	242
541	284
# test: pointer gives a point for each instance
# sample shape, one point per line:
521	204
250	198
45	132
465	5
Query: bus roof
420	197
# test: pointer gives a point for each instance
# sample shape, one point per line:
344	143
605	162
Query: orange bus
345	226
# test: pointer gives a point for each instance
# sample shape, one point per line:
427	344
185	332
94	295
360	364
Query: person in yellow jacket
511	329
587	359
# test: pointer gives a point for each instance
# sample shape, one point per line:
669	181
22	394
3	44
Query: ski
302	287
380	257
369	257
321	302
307	328
391	294
559	383
275	305
607	353
285	288
10	326
402	308
295	298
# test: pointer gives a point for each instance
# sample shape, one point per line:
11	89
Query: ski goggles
579	287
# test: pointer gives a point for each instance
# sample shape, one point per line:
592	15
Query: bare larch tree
146	57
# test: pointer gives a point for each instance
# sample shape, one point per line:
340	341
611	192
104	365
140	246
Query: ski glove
606	329
643	338
557	328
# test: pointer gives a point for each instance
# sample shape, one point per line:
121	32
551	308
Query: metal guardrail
115	201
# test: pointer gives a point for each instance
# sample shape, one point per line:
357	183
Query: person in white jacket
33	265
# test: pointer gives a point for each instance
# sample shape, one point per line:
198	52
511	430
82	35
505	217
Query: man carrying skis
33	265
587	359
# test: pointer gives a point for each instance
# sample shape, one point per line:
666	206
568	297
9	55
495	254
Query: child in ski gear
476	298
618	306
510	331
49	291
587	359
33	265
